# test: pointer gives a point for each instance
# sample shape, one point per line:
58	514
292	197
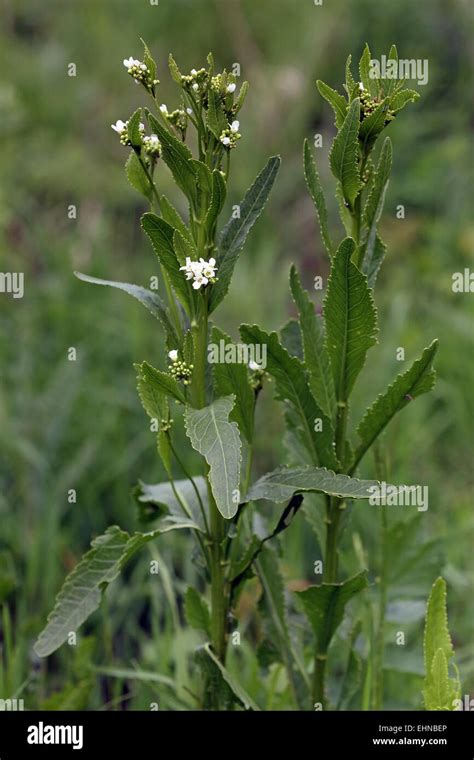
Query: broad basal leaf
232	377
350	317
324	606
315	352
148	298
344	154
317	194
418	379
280	484
234	234
291	384
218	440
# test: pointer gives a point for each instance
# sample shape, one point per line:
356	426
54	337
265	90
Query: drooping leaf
291	384
280	484
316	355
161	235
325	605
343	157
418	379
82	591
337	102
218	440
197	611
137	177
317	194
159	381
232	378
148	298
234	234
350	318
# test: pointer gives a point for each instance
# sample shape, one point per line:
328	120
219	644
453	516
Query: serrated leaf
154	400
137	177
174	219
232	378
436	627
350	318
148	298
418	379
291	340
344	154
337	102
372	125
350	83
291	384
160	381
237	690
315	352
197	611
216	205
280	484
216	120
174	71
364	72
133	128
218	440
234	234
160	500
177	157
325	605
148	59
161	235
316	190
373	210
241	97
400	99
82	591
203	175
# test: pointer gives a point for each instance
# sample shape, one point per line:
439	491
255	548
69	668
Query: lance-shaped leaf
232	378
161	235
400	99
204	654
291	384
216	119
344	154
440	690
290	336
234	234
177	157
217	200
137	177
218	440
317	194
337	102
197	611
372	125
159	381
370	257
280	484
325	605
148	298
160	500
418	379
350	317
369	82
82	591
350	82
174	219
315	352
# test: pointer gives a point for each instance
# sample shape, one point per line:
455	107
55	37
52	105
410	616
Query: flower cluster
179	369
368	105
230	135
194	81
219	84
152	145
201	272
140	72
177	118
121	127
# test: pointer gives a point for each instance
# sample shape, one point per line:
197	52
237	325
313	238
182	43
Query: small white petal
235	126
225	140
361	86
173	355
231	87
189	111
193	72
164	108
195	87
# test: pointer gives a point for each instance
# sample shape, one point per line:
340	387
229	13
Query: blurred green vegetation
79	424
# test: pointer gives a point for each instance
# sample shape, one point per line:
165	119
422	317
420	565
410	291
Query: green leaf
204	176
314	186
218	440
148	59
364	72
239	693
160	500
315	352
174	71
161	235
197	611
325	605
291	340
337	102
350	82
234	234
350	317
137	177
440	691
175	220
373	124
400	99
217	200
216	120
148	298
291	384
241	97
372	265
374	207
159	382
353	675
418	379
177	157
133	129
233	379
280	484
82	591
344	154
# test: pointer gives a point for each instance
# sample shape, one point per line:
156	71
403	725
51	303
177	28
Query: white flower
119	126
225	140
193	72
129	62
208	268
173	355
361	86
231	87
234	127
189	111
199	280
164	108
201	272
195	87
253	365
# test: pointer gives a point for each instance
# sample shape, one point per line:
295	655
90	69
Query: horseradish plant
313	365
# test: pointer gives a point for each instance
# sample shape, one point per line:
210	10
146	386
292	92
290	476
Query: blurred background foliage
79	424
